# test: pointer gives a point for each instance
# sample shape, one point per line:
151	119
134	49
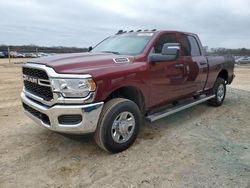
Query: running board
177	108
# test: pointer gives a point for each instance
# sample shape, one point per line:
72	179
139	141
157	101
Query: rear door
195	62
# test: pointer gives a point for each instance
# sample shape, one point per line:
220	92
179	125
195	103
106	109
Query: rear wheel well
130	93
223	74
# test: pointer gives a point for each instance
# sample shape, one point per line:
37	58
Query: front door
168	79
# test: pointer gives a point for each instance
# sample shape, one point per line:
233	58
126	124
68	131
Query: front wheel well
131	93
223	74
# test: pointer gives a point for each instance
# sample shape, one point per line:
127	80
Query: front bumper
48	116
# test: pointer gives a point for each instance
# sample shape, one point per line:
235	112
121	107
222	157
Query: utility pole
9	53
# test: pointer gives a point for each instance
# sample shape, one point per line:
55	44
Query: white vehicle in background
20	55
42	54
30	55
243	60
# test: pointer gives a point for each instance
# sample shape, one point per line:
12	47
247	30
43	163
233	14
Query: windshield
130	44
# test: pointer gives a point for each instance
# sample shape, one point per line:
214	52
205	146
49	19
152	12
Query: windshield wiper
113	52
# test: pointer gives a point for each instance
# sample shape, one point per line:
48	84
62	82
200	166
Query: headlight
73	87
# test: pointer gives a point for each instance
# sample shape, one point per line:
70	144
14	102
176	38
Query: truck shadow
193	116
154	131
148	131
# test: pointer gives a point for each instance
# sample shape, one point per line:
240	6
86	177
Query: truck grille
34	88
37	114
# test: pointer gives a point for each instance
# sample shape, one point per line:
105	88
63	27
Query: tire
118	125
219	90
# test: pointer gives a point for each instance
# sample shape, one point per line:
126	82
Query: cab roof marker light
120	32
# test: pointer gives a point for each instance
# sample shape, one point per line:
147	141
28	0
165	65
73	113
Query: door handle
179	66
203	63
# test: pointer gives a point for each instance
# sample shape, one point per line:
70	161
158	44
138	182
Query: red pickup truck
124	78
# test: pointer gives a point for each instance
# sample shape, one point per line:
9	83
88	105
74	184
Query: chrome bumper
90	114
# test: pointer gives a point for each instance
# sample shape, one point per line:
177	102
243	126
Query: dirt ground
200	147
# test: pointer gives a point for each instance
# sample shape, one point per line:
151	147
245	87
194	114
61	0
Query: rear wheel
118	125
219	90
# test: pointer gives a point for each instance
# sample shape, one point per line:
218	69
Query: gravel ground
200	147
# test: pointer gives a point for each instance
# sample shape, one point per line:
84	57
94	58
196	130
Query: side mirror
171	49
169	52
90	48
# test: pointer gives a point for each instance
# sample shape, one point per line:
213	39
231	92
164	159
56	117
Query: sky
83	23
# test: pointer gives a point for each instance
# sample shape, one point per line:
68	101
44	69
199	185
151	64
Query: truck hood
84	63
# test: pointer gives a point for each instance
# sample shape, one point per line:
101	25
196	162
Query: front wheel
118	125
219	90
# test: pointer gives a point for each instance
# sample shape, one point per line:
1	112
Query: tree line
61	49
226	51
33	49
